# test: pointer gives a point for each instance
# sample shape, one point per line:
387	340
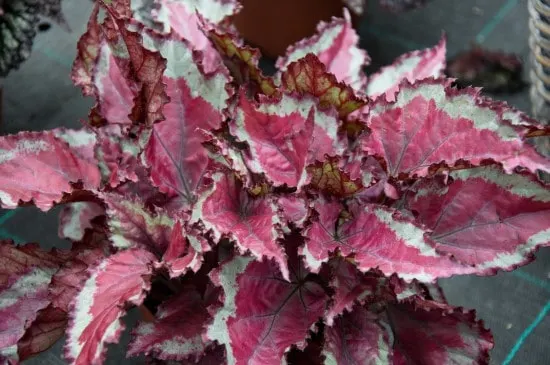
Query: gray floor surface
514	305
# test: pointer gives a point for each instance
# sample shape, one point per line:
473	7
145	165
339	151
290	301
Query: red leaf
350	287
177	333
114	93
184	253
70	278
44	332
141	68
20	300
118	154
285	135
263	314
425	291
17	260
26	155
294	209
113	65
186	18
431	123
75	218
486	218
243	63
377	238
133	225
174	153
25	274
413	66
229	210
330	178
97	309
437	334
81	141
86	59
309	75
357	338
335	44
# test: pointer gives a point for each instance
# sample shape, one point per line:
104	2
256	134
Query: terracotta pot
273	25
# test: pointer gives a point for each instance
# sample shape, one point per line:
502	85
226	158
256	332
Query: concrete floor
514	305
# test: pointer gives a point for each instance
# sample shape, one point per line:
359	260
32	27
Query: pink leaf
97	309
413	66
426	291
125	78
335	44
263	314
20	300
26	155
184	17
81	141
70	278
141	68
285	135
121	8
184	253
174	153
118	154
75	218
486	218
294	209
309	75
243	61
44	332
333	177
357	338
25	275
177	332
87	55
431	123
132	224
229	210
350	287
213	356
378	238
431	333
113	92
17	260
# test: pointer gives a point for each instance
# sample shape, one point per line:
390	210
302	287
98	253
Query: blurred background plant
19	22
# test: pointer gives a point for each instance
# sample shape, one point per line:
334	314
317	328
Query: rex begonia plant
302	218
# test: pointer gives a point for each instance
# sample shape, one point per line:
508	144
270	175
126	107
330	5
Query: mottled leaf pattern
429	119
335	44
378	238
263	314
413	66
174	153
486	218
26	155
285	136
95	318
228	210
357	338
430	333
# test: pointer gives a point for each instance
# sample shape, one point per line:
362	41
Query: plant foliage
299	218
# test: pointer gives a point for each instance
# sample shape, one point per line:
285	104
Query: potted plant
260	22
259	220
